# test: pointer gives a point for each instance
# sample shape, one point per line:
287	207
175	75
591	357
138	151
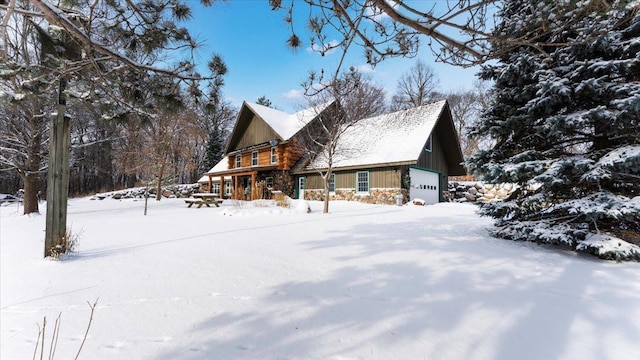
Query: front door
301	182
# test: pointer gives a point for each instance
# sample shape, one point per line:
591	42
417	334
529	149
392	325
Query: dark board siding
434	160
257	132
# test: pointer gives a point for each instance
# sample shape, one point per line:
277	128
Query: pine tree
218	116
215	147
264	101
565	121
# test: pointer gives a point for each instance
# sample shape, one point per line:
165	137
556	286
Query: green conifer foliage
215	147
566	124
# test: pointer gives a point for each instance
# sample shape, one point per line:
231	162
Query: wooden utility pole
58	178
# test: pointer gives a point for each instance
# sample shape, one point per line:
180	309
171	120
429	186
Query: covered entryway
425	185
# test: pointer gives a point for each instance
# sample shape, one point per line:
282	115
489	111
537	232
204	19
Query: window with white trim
254	158
216	188
268	181
362	181
332	183
274	158
228	189
429	145
238	160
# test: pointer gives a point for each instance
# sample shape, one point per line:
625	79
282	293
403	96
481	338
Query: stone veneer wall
479	192
375	196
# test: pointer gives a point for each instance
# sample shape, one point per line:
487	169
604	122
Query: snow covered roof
220	166
391	138
284	124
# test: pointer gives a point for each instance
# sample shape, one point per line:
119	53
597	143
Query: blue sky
251	37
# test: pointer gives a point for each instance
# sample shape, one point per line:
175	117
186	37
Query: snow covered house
262	147
410	152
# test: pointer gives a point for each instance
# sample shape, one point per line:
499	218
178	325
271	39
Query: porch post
221	187
210	184
253	185
235	189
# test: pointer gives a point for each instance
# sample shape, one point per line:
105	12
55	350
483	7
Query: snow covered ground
363	282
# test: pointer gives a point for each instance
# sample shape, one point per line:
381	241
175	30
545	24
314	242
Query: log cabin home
409	153
262	149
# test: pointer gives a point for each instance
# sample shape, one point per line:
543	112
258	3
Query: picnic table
206	199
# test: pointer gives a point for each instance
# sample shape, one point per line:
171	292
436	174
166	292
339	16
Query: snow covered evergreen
565	118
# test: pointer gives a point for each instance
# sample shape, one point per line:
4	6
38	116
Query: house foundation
375	196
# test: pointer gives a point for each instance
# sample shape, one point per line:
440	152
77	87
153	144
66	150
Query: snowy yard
363	282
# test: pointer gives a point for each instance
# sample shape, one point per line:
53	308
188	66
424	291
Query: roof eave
243	170
356	167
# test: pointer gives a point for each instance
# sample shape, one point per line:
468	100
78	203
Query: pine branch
55	15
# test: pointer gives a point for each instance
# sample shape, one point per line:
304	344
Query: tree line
178	147
110	154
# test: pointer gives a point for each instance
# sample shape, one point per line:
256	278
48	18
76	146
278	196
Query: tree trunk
159	186
325	180
601	129
31	190
31	175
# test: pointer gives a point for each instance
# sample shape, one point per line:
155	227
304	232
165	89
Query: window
239	160
362	181
254	158
274	158
216	188
268	181
228	190
332	183
428	146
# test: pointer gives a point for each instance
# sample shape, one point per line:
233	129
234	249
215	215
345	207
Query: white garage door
425	185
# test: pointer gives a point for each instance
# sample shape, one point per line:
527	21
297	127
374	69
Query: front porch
248	185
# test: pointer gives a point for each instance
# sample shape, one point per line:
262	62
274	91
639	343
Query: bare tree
128	150
416	87
24	134
170	143
483	91
91	160
23	138
464	111
466	108
167	149
355	97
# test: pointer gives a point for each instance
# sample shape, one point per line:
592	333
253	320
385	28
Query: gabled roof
283	124
399	137
220	166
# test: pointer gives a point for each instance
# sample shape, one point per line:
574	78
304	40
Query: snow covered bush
565	118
